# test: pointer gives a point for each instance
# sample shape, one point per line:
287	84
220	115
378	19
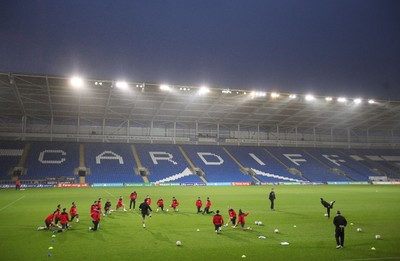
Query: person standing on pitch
272	198
145	208
340	223
218	221
328	206
133	197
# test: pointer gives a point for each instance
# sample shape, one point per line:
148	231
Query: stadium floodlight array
78	82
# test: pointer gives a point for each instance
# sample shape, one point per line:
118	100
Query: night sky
327	47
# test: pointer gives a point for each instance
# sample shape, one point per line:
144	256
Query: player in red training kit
199	204
95	220
93	207
133	197
207	208
120	204
232	217
57	215
241	220
174	204
160	204
218	221
73	213
63	220
49	221
99	207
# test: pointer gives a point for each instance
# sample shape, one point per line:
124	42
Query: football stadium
70	139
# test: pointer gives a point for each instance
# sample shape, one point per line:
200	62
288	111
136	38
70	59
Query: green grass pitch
299	216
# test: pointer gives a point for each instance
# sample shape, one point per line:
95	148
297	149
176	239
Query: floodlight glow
357	100
275	95
328	98
165	87
341	99
258	94
371	101
309	97
76	81
292	96
203	90
226	91
121	85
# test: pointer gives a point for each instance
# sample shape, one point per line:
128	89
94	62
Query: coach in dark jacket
340	223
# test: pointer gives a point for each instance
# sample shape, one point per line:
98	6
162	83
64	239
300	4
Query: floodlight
258	94
292	96
76	81
203	90
226	91
121	85
371	101
357	100
165	87
275	95
328	98
309	97
341	99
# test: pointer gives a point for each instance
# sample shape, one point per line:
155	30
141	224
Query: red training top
218	220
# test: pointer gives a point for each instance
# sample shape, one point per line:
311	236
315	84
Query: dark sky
328	47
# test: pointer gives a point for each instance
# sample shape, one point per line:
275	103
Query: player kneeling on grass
120	204
232	216
63	220
242	221
95	215
49	221
160	204
218	221
107	207
74	213
174	204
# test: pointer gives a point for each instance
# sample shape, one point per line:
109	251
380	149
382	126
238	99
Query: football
359	229
378	236
256	222
259	223
276	231
178	243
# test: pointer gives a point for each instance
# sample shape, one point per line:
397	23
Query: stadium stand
160	163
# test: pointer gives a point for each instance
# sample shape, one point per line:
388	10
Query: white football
325	215
178	243
359	229
378	236
276	231
256	222
259	223
167	209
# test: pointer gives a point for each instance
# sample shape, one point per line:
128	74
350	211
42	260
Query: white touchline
6	206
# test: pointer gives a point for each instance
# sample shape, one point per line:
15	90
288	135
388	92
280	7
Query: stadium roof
53	97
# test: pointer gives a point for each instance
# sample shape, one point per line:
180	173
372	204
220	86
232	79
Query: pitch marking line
373	259
15	201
